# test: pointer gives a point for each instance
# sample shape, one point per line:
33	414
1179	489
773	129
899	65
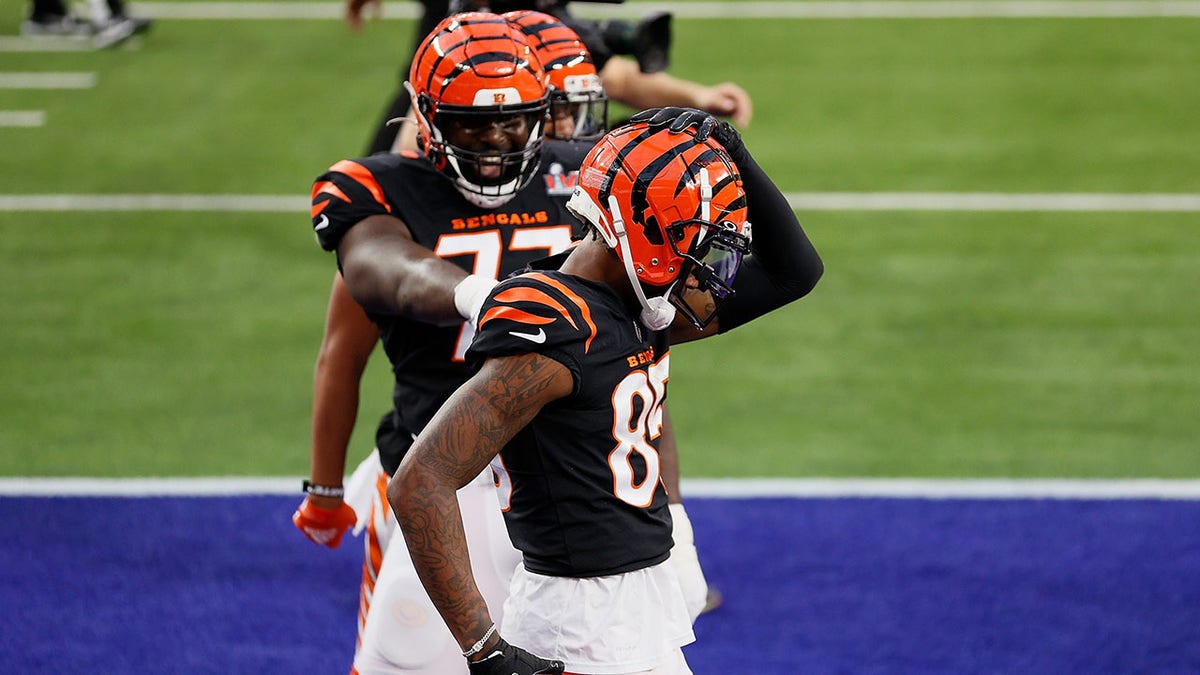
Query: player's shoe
118	29
712	601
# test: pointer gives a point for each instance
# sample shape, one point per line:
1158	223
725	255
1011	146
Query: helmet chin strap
657	312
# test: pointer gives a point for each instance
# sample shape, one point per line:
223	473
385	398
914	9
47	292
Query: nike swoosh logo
323	223
539	337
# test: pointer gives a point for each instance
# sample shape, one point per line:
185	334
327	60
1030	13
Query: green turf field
938	343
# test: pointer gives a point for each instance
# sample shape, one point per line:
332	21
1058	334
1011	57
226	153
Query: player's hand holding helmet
480	98
505	659
672	207
706	125
324	526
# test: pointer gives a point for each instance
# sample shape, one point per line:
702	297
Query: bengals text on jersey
427	360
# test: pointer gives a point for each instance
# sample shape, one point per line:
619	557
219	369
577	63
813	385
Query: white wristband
478	646
682	534
686	562
469	295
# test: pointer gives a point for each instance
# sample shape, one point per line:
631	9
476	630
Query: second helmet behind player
578	104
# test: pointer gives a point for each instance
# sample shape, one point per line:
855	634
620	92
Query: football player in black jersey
567	406
579	112
409	640
420	238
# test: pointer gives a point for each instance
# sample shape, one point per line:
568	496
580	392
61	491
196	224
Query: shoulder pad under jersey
344	195
534	312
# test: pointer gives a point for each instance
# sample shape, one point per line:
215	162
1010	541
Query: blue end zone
226	585
955	586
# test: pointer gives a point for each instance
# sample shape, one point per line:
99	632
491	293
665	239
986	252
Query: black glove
505	659
705	124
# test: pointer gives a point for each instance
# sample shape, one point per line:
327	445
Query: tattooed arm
467	432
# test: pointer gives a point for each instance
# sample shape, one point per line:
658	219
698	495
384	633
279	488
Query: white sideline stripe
802	201
918	488
11	43
899	9
22	118
47	80
146	487
727	488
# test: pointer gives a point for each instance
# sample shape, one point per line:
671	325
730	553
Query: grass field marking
721	488
907	9
267	10
801	201
47	80
157	202
22	118
897	9
12	43
984	201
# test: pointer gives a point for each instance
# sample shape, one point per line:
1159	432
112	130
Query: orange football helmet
577	99
673	208
475	70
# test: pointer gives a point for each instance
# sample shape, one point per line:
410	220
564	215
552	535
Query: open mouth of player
490	168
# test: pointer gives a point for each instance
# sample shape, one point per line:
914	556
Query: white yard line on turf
47	80
985	201
22	118
898	9
159	202
15	43
802	201
729	488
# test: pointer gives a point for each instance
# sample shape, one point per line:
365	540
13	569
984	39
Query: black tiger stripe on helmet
477	64
665	202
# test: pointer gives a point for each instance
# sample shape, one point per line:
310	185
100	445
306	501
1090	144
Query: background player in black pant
110	22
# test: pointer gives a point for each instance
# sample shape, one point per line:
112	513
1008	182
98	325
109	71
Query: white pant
622	624
674	665
400	631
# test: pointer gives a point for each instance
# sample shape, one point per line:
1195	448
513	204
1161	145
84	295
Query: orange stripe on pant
373	558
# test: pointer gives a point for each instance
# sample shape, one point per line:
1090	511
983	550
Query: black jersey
427	360
581	482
